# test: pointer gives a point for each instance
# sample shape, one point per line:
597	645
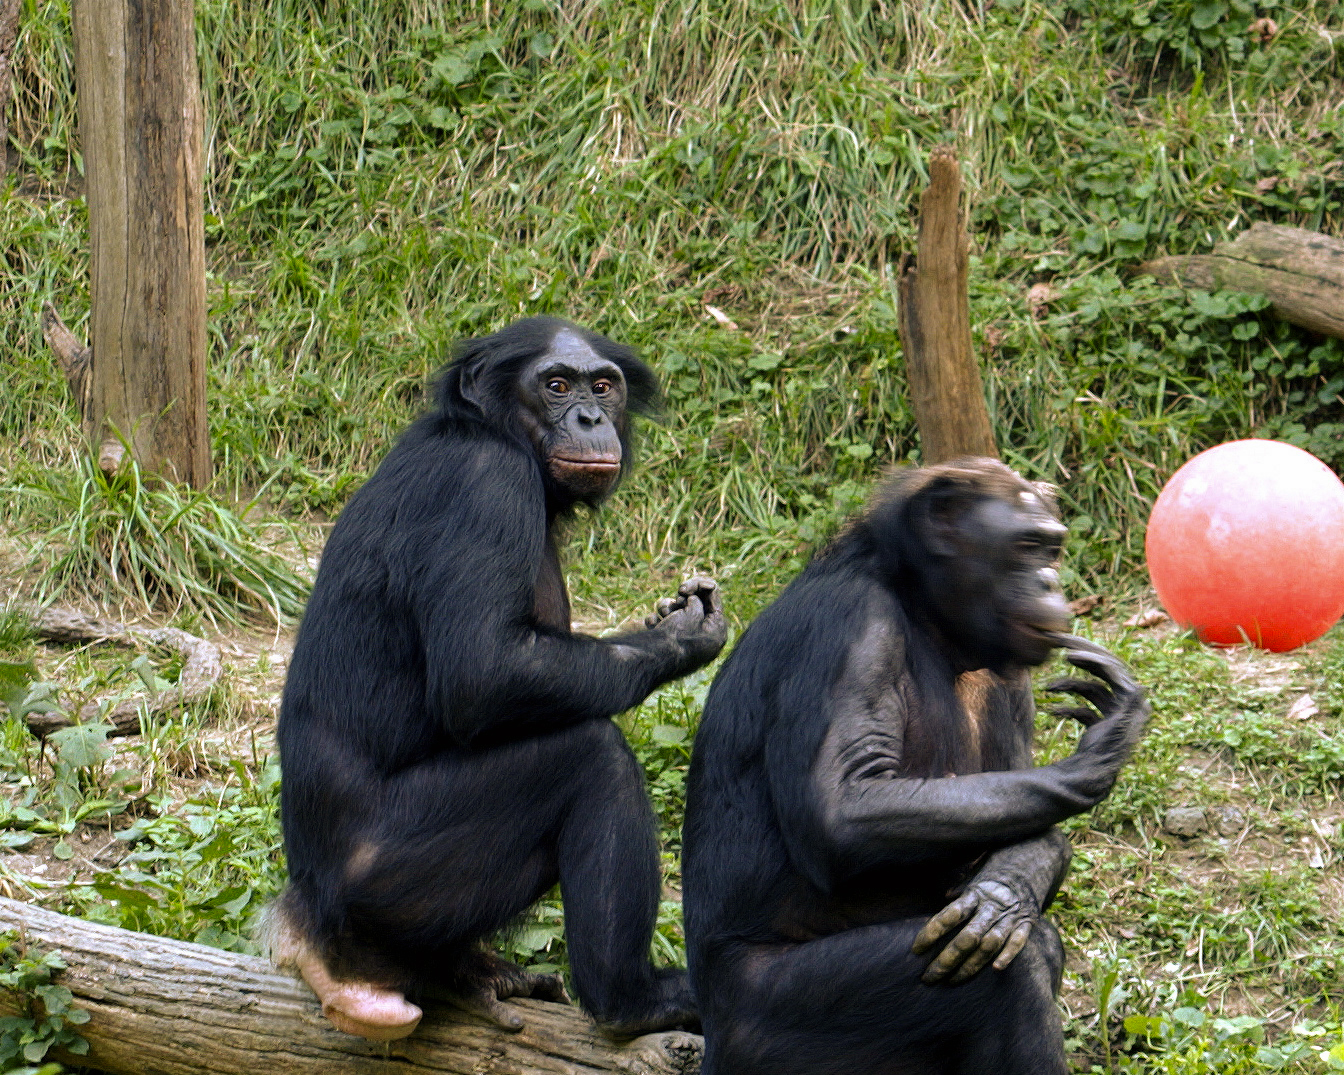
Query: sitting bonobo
865	758
446	738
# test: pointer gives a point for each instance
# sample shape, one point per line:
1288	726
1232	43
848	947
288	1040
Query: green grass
386	178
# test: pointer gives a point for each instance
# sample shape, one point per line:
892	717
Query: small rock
1185	821
1147	618
1229	820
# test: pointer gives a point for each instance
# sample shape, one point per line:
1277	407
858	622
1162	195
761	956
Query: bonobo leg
853	1004
460	845
611	878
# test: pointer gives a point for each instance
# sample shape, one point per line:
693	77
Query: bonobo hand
1121	711
694	619
485	980
998	922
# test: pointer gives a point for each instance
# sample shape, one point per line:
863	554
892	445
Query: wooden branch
164	1007
1301	272
9	34
197	679
935	325
74	357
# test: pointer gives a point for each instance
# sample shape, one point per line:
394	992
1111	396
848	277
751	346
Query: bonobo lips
590	465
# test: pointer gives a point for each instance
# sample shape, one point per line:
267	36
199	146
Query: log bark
9	34
140	131
164	1007
935	324
1301	273
197	679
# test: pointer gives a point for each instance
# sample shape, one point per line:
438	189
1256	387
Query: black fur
445	739
819	840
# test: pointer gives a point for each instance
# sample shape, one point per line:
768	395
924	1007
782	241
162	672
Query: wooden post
9	33
140	132
935	324
165	1007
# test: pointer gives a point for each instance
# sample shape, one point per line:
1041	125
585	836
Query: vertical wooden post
140	132
9	33
935	323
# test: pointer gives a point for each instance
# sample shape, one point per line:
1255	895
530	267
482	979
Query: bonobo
865	758
446	739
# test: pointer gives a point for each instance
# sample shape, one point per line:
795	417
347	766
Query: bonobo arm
997	909
869	815
489	666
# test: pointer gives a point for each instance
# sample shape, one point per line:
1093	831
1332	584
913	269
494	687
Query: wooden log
935	323
197	679
9	34
140	132
1301	273
164	1007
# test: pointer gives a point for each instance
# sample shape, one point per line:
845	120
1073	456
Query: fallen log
1301	273
165	1007
197	679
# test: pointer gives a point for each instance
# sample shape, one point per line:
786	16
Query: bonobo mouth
593	466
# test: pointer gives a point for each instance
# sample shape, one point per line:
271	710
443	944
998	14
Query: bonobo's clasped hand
1117	722
694	619
998	922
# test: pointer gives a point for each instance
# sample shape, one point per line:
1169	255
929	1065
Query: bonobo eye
558	385
602	387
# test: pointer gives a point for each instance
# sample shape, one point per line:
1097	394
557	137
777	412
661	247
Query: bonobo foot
672	1007
363	1009
484	980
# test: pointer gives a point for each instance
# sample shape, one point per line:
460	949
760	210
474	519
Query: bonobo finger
1086	717
485	1004
547	987
976	961
962	947
1103	664
1014	945
667	605
701	584
1097	693
946	920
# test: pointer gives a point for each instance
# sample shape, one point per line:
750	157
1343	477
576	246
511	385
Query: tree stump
935	324
165	1007
1301	273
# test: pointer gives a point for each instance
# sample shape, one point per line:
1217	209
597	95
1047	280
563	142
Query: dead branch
198	678
1301	272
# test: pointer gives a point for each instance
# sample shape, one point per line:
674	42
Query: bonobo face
574	403
1000	599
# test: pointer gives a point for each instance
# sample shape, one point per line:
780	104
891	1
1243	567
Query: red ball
1246	544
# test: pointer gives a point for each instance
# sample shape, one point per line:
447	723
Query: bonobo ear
468	384
937	513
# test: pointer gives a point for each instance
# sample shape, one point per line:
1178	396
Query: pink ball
1246	543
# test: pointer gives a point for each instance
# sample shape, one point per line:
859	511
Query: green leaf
63	851
82	746
542	44
668	734
1207	13
15	676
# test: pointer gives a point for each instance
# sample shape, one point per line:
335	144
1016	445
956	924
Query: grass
384	179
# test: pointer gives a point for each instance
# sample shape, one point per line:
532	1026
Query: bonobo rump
446	739
868	848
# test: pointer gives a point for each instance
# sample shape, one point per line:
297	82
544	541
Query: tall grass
385	178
